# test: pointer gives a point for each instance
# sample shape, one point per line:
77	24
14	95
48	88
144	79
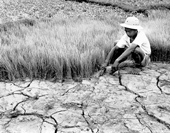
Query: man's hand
102	70
114	67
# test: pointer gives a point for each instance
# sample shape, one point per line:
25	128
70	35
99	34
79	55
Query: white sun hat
132	23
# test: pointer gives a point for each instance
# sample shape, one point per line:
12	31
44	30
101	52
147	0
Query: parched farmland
50	51
85	29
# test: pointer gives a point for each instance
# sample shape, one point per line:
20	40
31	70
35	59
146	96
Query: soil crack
143	123
83	115
152	116
157	83
126	88
44	118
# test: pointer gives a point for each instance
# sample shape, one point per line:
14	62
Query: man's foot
146	60
137	65
136	69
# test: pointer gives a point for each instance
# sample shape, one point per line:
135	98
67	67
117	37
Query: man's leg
140	57
112	56
116	53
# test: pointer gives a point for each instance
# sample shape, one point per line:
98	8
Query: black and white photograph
84	66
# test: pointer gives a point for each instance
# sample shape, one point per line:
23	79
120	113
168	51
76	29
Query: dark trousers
135	55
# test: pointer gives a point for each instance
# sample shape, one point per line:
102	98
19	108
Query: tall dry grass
157	28
54	49
60	49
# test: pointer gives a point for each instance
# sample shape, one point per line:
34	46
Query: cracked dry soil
119	103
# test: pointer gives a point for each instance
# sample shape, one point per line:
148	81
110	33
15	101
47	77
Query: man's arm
109	57
107	61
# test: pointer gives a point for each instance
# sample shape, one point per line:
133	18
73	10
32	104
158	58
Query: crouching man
134	42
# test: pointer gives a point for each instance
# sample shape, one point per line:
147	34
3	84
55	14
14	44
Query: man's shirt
141	40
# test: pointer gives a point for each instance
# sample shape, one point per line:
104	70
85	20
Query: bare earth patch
119	103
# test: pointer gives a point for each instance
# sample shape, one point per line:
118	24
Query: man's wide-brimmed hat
132	23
